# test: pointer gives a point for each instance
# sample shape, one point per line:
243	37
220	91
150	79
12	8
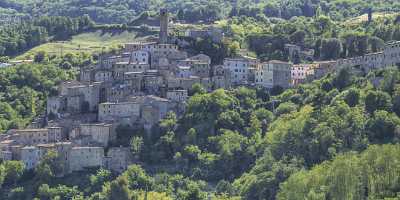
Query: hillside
90	42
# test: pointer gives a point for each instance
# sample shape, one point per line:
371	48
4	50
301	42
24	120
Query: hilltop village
140	86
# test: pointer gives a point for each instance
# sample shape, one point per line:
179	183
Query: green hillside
91	42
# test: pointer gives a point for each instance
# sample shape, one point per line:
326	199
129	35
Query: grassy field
86	42
364	18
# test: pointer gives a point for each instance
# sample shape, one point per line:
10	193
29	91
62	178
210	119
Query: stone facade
118	159
85	157
177	95
301	72
240	69
274	73
390	56
113	112
94	134
38	136
30	156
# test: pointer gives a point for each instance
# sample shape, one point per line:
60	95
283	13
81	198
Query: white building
240	69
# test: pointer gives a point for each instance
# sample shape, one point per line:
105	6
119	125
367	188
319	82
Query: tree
136	145
97	180
352	97
2	175
330	49
117	189
342	79
137	179
377	100
197	88
40	57
376	43
298	37
49	166
17	193
13	171
383	126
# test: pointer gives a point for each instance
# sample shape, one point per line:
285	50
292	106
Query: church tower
163	37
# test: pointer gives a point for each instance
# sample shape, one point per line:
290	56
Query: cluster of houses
138	88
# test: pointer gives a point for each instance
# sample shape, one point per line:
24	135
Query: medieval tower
163	37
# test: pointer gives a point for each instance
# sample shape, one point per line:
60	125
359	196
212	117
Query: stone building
301	72
201	69
122	67
134	80
177	95
5	155
293	52
322	68
240	69
140	56
152	109
164	21
30	156
187	83
118	159
93	134
83	98
121	112
38	136
85	157
274	73
390	56
221	77
103	76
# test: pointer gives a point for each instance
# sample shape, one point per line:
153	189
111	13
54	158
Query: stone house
118	159
38	136
177	95
301	72
127	112
85	157
83	98
93	134
103	76
274	73
221	77
140	56
122	67
240	69
30	156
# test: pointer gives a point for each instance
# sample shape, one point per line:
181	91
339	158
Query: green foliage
377	100
23	91
62	192
371	174
137	179
19	37
14	171
49	166
97	180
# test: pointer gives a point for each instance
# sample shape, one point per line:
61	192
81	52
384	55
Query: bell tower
164	19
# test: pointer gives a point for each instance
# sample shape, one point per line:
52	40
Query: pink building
300	72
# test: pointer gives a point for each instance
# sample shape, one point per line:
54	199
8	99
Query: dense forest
116	11
19	37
